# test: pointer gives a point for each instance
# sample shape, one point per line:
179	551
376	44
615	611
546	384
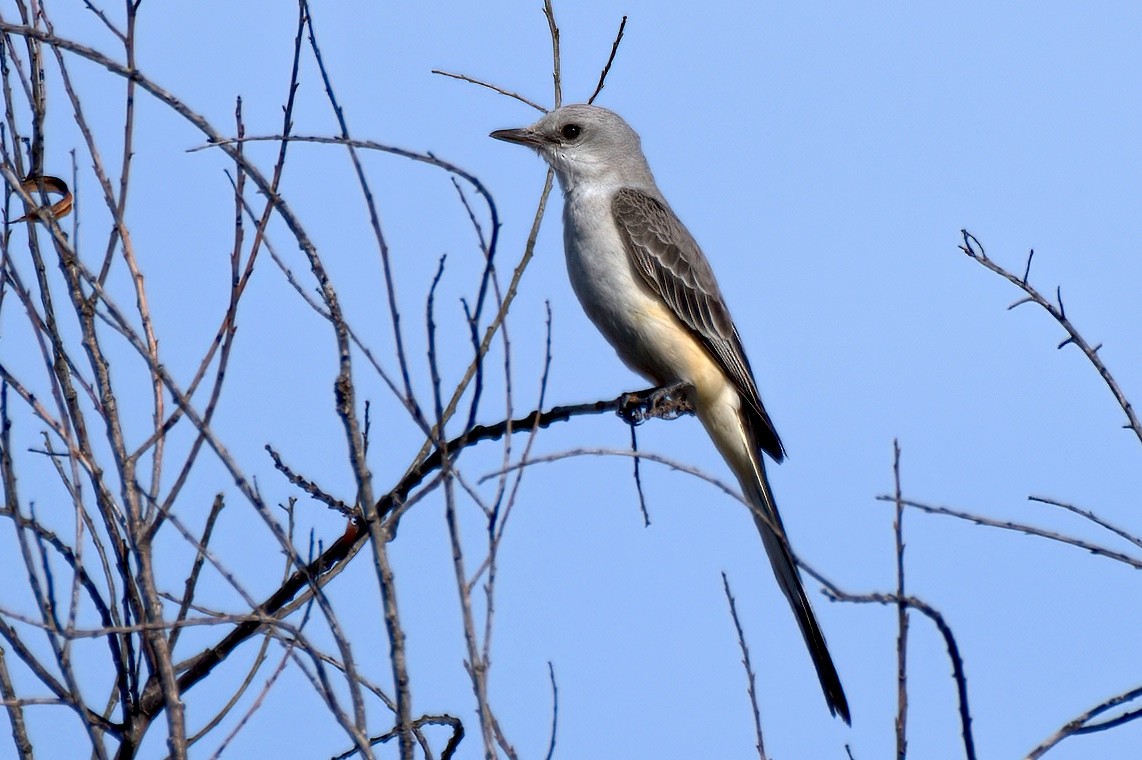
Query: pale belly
639	326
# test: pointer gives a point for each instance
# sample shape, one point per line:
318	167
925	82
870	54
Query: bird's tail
731	431
768	522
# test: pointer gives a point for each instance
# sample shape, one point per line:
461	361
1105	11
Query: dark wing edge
669	261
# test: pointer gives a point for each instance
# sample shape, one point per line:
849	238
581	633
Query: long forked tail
785	568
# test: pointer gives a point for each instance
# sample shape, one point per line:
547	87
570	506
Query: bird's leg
667	402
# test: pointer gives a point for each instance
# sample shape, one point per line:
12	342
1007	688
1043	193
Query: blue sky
826	156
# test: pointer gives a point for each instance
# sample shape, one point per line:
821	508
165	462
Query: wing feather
669	261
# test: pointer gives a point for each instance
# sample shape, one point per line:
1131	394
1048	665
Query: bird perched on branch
646	285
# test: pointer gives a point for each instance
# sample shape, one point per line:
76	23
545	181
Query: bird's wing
668	259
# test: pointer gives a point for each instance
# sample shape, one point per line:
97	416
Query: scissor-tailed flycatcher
644	282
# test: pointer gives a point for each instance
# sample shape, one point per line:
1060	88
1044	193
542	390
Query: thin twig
554	710
374	223
15	711
974	249
1120	532
476	665
1082	724
425	720
751	679
638	477
8	477
496	88
901	616
191	584
225	335
610	60
836	594
1030	530
310	487
556	75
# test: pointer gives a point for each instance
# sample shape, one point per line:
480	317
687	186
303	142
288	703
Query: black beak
518	136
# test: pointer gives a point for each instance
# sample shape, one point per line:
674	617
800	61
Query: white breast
643	331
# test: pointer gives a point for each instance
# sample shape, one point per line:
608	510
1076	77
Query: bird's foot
667	403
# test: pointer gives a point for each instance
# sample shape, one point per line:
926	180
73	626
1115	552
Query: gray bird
648	288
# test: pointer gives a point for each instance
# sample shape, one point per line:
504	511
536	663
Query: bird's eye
571	131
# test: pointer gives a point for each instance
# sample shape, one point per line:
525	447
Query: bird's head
585	144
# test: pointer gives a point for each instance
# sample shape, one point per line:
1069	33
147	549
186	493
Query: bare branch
901	616
495	88
750	678
974	250
554	710
553	29
836	594
1030	530
1082	724
610	60
15	711
310	487
1121	533
638	477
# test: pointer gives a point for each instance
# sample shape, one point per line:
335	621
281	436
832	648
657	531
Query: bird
644	282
